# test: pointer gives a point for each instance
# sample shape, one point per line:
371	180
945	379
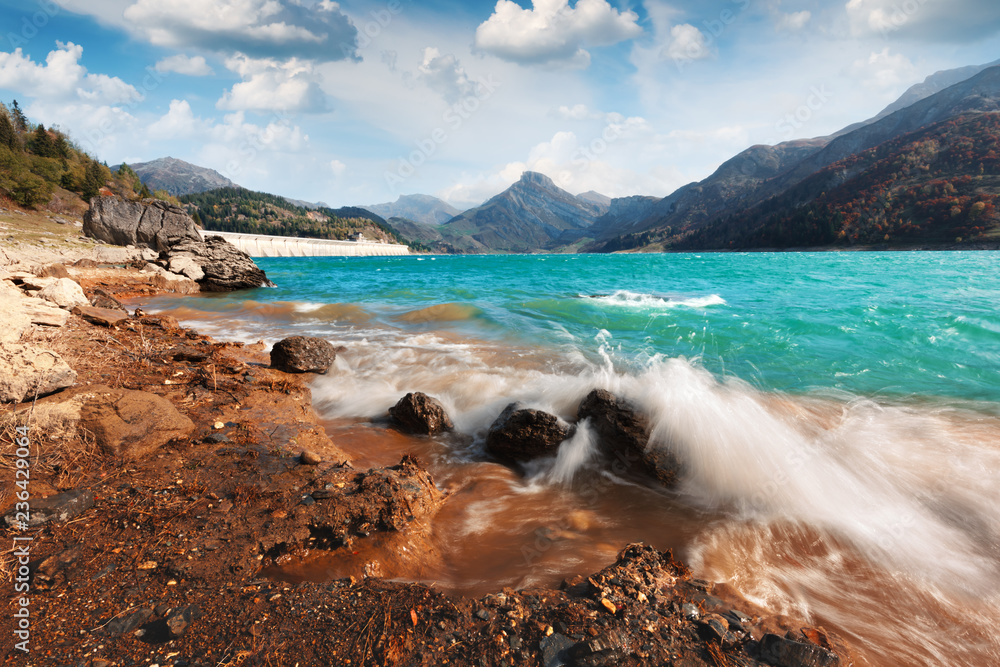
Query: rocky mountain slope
532	214
423	209
178	177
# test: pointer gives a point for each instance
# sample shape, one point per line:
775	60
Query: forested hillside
938	185
241	210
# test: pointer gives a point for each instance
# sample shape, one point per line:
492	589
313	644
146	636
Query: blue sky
359	102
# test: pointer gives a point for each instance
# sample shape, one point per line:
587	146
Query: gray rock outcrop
223	266
27	370
151	222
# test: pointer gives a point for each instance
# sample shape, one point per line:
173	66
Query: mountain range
804	192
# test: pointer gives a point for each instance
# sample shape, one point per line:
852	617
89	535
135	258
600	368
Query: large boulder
15	320
65	293
26	371
420	413
522	434
132	424
302	354
224	267
151	222
623	435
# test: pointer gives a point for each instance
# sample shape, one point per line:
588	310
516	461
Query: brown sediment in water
178	561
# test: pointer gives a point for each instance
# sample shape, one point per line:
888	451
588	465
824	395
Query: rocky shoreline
172	470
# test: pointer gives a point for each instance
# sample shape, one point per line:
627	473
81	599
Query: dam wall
259	245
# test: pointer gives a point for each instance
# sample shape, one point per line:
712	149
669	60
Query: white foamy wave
626	299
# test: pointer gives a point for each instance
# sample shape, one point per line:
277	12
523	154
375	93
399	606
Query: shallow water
838	417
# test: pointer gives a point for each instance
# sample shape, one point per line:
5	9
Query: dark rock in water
713	628
521	434
781	652
101	299
151	222
301	354
59	508
623	434
215	264
420	413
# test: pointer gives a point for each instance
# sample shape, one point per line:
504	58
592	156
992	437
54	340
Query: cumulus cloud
281	29
927	20
62	77
271	85
337	167
182	64
553	32
793	22
687	43
445	75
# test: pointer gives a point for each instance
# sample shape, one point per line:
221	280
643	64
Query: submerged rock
521	434
302	354
419	413
223	266
151	222
623	435
781	652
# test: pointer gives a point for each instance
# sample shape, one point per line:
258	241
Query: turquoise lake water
872	324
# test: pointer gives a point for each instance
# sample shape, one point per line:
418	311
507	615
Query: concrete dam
259	245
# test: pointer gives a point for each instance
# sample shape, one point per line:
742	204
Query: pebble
148	565
609	605
310	458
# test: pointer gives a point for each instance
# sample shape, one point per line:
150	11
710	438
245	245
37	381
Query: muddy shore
156	547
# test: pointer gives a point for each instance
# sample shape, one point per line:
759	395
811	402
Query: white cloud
178	123
553	31
578	112
884	72
687	43
793	22
182	64
270	85
445	75
261	28
337	167
62	77
926	20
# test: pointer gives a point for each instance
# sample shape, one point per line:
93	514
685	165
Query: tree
92	181
8	135
144	193
41	143
20	120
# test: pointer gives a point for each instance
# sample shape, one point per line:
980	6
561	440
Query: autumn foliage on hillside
938	185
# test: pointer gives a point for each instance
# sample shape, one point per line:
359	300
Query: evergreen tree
144	193
8	136
20	120
92	180
42	144
62	146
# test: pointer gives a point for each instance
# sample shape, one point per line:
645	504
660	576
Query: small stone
308	500
310	458
483	615
690	611
713	628
219	425
148	565
609	605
